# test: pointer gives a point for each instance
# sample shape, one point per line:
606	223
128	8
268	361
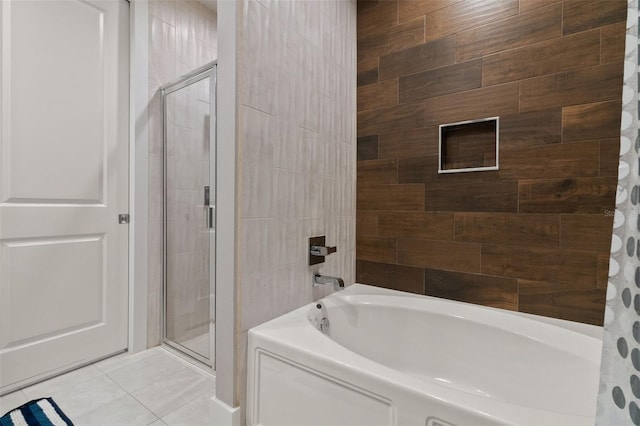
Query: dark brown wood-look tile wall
533	236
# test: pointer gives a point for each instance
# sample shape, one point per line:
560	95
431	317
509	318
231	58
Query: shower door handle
207	196
210	217
208	206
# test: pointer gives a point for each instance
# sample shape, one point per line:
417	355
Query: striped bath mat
39	412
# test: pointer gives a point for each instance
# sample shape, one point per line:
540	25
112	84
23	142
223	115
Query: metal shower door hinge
123	219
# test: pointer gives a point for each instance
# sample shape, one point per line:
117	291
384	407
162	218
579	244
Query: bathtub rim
329	357
590	330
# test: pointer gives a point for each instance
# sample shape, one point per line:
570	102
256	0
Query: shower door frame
208	70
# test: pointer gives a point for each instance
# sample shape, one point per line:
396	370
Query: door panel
64	158
189	216
74	267
56	93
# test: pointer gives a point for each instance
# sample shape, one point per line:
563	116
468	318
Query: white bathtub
392	358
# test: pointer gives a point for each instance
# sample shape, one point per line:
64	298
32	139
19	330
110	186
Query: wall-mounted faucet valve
318	250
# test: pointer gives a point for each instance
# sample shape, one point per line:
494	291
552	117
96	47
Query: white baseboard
224	415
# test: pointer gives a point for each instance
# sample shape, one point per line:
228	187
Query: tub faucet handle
321	250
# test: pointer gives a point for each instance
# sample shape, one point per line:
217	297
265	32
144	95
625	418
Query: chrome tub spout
338	283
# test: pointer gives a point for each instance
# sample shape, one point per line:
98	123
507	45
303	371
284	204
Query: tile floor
199	344
153	387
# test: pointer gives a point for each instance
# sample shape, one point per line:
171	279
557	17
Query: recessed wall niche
469	146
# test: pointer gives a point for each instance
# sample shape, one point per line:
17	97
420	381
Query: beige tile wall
182	37
297	153
296	150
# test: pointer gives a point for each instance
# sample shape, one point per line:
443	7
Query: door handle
208	206
207	196
210	216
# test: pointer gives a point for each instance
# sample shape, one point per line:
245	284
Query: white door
63	181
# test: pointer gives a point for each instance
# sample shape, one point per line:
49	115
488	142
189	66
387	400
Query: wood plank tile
541	230
497	292
466	14
576	268
578	159
473	104
590	232
376	249
517	31
612	42
441	81
603	270
378	19
482	196
390	197
600	120
581	15
378	95
530	129
548	57
367	77
395	277
609	157
403	36
409	143
424	57
579	195
364	5
447	255
425	169
527	5
366	223
418	169
389	119
409	9
367	72
379	171
404	140
428	225
586	85
550	300
367	147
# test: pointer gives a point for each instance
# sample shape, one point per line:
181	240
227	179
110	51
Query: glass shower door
189	289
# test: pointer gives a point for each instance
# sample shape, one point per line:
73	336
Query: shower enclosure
189	213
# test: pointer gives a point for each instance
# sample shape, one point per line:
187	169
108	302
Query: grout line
562	21
560	231
600	158
118	384
142	404
424	31
600	47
